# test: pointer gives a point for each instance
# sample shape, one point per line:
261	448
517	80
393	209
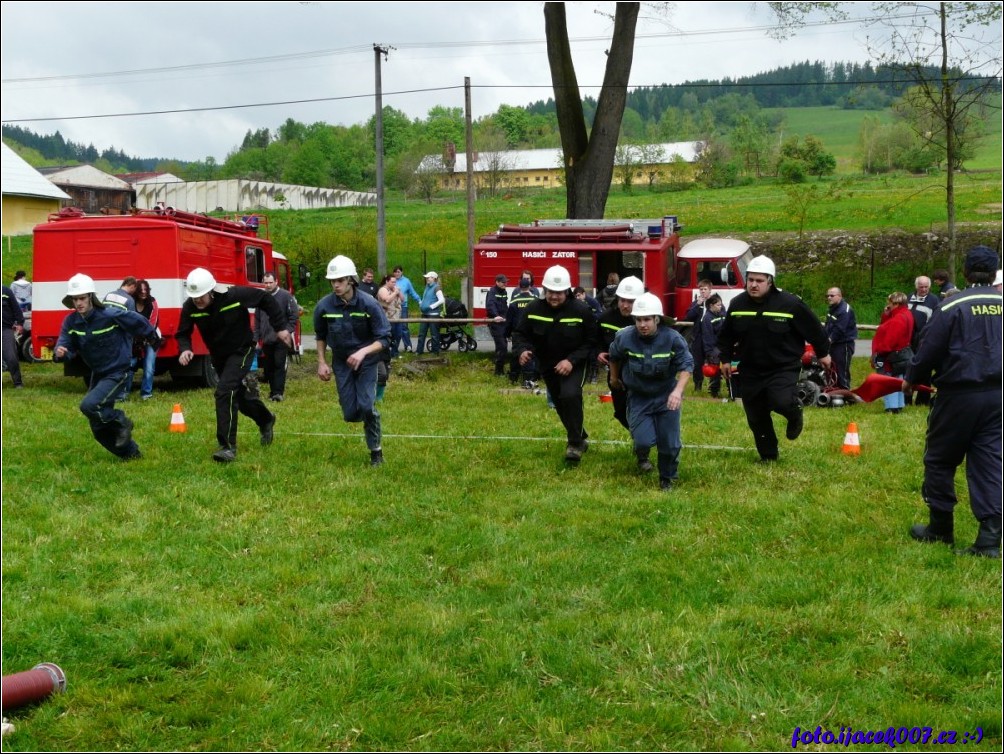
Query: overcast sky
61	60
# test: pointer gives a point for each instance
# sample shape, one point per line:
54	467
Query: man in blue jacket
842	329
354	326
102	336
652	362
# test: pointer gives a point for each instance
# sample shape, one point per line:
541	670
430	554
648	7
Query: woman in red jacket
891	350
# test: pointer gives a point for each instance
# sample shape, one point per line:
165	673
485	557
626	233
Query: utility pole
469	133
381	214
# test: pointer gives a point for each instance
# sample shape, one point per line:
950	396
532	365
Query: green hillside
838	129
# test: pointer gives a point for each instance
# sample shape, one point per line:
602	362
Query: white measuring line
357	435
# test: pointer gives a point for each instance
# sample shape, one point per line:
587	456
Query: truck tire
208	378
24	350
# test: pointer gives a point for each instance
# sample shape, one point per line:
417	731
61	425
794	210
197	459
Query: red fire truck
591	249
162	246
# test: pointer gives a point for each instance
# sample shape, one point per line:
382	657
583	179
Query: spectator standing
922	305
766	329
611	322
514	314
580	293
366	283
355	327
102	336
842	330
124	296
433	305
533	290
592	371
392	301
695	315
891	351
13	323
944	282
146	306
274	351
21	288
221	314
962	350
496	308
608	294
560	332
409	293
711	326
652	362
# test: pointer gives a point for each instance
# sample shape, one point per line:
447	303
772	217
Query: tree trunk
589	157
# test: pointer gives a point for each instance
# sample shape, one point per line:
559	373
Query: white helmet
999	278
630	288
647	305
341	267
763	265
199	282
557	279
79	285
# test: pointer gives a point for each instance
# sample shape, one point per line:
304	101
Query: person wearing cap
614	319
521	299
433	305
496	308
652	362
560	332
766	329
102	336
221	314
960	354
353	324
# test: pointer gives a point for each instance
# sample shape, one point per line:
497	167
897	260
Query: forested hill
847	85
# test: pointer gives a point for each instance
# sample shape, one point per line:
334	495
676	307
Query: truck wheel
208	378
25	351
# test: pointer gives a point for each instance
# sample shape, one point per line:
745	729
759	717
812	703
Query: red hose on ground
21	689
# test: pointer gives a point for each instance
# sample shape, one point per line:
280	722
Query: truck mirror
304	275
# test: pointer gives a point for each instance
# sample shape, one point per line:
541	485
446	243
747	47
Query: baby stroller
456	332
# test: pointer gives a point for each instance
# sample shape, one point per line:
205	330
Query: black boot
988	539
644	465
940	529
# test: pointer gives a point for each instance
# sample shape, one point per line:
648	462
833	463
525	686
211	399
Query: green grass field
473	594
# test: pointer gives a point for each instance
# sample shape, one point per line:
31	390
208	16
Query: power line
698	85
359	49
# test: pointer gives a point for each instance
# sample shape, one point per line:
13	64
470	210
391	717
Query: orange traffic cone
852	443
178	419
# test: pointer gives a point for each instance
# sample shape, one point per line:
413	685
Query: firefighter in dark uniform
496	308
560	331
611	322
766	329
961	347
221	314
